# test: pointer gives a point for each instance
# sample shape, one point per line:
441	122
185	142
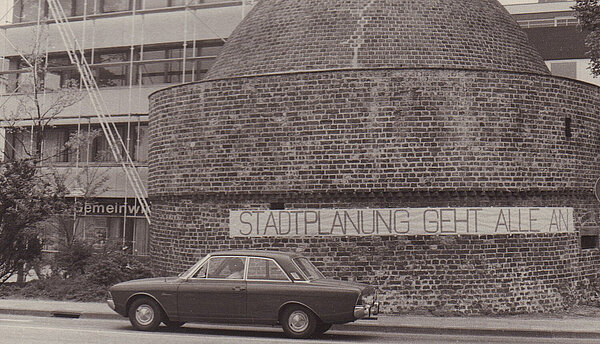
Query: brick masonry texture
386	138
377	104
375	130
279	36
504	274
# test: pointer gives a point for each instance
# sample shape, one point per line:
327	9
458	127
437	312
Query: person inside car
237	269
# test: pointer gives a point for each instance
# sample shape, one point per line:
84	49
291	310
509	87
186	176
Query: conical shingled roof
299	35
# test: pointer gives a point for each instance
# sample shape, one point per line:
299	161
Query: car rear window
308	269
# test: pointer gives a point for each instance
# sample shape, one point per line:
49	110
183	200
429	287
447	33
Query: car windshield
309	270
192	268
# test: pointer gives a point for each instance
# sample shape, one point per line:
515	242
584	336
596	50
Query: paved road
46	330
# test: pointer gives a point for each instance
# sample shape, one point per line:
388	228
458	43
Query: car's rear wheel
322	328
298	322
145	314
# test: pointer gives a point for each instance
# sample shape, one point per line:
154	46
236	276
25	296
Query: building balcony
124	104
127	28
98	180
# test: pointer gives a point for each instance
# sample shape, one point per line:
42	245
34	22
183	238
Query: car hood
341	284
146	281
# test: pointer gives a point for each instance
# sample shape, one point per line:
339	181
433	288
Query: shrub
57	288
86	278
73	259
104	272
116	266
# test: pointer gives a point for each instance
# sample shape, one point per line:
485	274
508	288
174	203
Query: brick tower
378	104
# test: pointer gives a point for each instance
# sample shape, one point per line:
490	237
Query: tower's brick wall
465	274
375	130
282	36
378	139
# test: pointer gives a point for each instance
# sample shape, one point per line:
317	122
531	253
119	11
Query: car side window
226	267
296	276
201	273
265	269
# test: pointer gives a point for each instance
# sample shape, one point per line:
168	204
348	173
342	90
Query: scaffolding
118	148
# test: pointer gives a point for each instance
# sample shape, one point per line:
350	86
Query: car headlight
110	301
368	299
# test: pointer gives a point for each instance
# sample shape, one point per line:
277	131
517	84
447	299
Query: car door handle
239	288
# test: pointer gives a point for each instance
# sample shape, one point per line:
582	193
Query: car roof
257	253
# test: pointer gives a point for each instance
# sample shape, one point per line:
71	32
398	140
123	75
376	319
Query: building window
61	73
92	147
54	145
21	143
277	206
13	148
27	11
176	3
134	137
129	232
568	129
564	69
148	4
589	242
67	6
107	6
165	64
81	7
112	69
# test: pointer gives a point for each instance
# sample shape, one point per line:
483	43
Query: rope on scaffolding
108	126
129	108
187	8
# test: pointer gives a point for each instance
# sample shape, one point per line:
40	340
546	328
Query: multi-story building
133	47
552	28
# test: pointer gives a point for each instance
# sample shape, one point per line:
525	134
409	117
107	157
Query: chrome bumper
366	311
111	304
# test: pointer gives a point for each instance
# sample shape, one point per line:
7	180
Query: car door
268	288
215	292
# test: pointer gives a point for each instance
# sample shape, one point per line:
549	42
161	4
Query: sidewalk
530	326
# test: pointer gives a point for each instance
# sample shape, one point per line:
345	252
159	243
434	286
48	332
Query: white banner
400	221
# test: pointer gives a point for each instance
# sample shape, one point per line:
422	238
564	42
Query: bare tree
88	181
38	105
37	102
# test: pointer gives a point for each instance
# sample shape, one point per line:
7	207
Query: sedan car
249	287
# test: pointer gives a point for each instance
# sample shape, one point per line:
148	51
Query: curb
492	332
61	314
356	326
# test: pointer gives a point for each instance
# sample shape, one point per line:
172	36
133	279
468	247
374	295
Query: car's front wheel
145	314
298	322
